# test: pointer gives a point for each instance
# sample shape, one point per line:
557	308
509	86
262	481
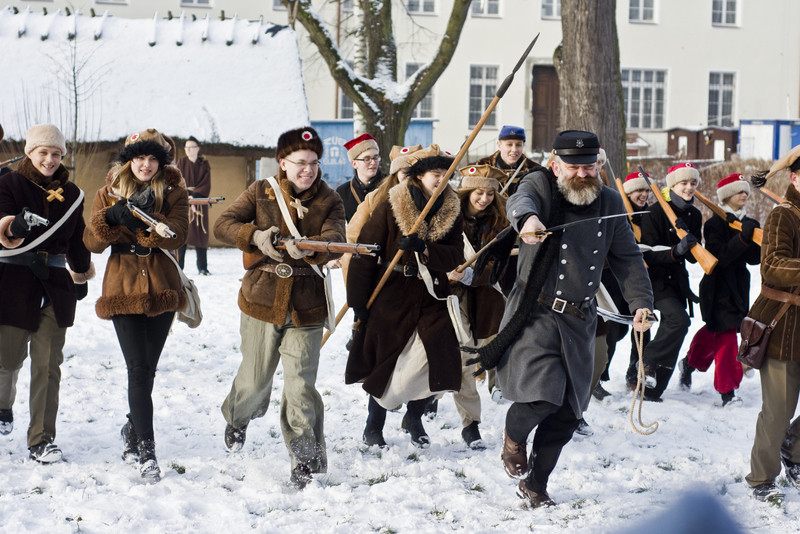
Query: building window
641	11
420	6
720	98
485	7
424	109
482	87
347	6
723	12
277	6
643	91
551	9
195	3
346	106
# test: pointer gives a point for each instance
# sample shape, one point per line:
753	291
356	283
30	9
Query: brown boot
514	456
531	498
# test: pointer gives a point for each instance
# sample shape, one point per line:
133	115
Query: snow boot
45	453
234	438
301	476
148	465
472	436
6	421
768	492
686	375
514	456
532	499
130	444
376	418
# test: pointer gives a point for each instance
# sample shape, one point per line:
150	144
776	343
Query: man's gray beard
583	195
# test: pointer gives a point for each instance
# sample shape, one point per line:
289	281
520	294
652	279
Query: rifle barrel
329	246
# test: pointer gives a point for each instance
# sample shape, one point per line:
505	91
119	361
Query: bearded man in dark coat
545	349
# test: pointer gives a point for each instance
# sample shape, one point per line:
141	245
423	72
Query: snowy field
604	483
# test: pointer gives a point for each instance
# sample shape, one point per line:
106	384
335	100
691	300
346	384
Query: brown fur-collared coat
132	284
264	295
780	269
404	303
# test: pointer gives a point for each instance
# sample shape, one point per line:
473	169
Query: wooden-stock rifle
706	260
251	260
637	230
758	234
8	162
207	201
159	227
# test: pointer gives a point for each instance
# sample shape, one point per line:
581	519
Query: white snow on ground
614	479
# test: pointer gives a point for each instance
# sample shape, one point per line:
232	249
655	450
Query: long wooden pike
501	91
513	177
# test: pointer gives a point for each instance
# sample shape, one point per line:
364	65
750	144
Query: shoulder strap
42	238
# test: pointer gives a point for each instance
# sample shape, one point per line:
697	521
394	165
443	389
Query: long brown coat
404	303
22	291
266	296
197	176
132	284
780	269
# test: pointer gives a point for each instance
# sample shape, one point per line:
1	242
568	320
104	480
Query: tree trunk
589	74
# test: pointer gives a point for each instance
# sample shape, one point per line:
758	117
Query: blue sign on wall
336	168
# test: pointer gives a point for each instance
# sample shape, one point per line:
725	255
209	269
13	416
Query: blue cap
512	132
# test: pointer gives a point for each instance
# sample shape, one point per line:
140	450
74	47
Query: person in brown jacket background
39	292
776	434
141	287
196	173
283	301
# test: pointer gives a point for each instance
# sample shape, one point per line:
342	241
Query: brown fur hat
305	138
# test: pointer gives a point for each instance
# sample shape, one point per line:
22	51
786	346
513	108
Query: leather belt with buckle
131	248
284	270
43	257
408	270
561	306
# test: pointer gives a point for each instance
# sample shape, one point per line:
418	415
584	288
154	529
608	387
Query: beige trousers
46	345
264	345
780	387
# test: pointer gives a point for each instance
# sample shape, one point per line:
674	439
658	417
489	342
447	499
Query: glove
411	242
361	314
120	215
295	252
680	223
685	245
499	251
263	239
19	228
730	217
748	227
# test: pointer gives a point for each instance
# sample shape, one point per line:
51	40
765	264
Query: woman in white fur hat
34	277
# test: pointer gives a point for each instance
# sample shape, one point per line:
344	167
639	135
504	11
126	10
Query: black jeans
141	339
554	428
662	352
202	257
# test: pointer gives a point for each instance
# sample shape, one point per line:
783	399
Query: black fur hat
305	138
429	164
148	142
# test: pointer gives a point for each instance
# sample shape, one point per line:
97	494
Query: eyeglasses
373	159
303	164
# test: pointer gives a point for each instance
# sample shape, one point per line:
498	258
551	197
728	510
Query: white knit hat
45	135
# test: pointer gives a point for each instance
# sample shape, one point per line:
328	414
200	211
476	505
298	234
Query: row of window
643	92
723	12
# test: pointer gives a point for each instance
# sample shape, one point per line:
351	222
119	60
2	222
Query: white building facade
685	63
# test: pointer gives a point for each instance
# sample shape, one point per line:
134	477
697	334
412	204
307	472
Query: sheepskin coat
404	303
264	295
148	285
22	291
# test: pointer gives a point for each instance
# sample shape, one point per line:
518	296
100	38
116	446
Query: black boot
130	444
376	418
686	374
472	436
6	421
412	423
148	465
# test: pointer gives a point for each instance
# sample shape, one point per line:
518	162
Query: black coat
667	270
725	293
22	291
353	192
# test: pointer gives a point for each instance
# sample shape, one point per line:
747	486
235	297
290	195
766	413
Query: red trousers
721	348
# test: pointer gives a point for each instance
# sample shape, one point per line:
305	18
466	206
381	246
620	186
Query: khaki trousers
46	354
264	345
780	387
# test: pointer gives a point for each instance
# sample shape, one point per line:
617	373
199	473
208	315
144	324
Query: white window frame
481	8
720	108
724	10
551	9
421	7
424	108
642	7
644	93
193	3
488	87
112	2
347	6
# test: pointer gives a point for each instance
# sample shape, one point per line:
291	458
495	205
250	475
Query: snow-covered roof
233	81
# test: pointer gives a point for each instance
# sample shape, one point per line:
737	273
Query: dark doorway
546	107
